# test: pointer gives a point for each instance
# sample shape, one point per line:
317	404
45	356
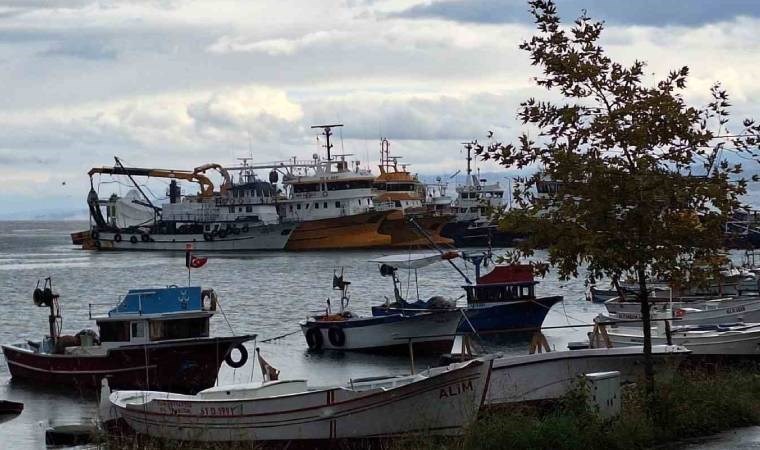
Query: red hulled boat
154	339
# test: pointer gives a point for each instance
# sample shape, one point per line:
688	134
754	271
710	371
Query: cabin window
305	187
248	208
397	204
298	206
179	329
240	209
316	205
337	204
307	205
351	184
138	329
325	205
291	208
114	331
232	209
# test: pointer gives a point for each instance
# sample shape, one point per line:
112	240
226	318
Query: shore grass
690	404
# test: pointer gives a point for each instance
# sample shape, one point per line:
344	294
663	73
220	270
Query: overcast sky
177	83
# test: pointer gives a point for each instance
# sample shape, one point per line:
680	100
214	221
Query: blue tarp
158	301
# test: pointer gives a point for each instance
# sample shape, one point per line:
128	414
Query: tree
633	179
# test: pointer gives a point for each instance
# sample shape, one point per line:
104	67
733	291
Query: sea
262	293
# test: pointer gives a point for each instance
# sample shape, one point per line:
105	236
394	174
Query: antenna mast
327	132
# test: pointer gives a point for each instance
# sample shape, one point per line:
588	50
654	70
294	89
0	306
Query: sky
179	83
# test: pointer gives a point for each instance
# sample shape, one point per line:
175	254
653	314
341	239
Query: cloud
639	12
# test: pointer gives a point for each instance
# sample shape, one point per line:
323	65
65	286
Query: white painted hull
551	375
441	403
265	237
747	311
737	343
379	333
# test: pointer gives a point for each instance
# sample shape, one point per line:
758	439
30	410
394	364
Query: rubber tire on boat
145	238
245	228
235	230
222	234
208	237
117	237
314	339
336	336
243	357
133	239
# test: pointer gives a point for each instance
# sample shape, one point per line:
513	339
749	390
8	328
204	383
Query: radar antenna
327	132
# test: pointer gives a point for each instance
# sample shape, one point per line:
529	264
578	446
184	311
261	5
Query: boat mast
468	146
327	132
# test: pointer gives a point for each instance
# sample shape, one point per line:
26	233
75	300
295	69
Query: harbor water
266	293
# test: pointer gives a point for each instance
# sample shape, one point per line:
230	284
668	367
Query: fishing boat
241	215
501	300
154	338
549	376
476	200
697	311
427	331
716	340
438	401
399	190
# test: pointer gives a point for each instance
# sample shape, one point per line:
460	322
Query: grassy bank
689	404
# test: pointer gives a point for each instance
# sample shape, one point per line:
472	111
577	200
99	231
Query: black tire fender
243	357
314	338
208	237
337	336
145	238
133	239
245	228
117	237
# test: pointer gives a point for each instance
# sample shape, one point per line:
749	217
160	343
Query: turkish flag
194	261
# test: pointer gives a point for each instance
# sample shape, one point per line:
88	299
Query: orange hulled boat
399	191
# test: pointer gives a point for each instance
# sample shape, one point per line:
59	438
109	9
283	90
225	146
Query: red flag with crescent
194	262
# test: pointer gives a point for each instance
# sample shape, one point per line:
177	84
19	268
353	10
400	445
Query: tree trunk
647	328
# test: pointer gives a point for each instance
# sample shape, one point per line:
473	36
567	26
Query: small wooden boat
501	300
720	340
436	401
548	376
9	407
711	312
428	331
154	338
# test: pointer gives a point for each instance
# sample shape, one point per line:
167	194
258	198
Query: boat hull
403	234
347	232
439	404
264	237
695	313
524	315
465	234
720	344
182	366
549	376
429	332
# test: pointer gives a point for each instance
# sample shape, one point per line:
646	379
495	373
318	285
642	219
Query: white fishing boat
715	311
548	376
437	401
729	340
427	331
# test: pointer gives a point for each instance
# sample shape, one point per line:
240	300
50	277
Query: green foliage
634	178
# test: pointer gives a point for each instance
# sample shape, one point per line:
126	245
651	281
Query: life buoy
243	357
245	228
133	239
314	338
222	234
117	237
145	238
324	193
208	237
336	336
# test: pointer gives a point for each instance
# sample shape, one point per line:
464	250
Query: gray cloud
625	12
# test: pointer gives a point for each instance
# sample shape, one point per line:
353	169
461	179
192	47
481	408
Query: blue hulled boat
502	300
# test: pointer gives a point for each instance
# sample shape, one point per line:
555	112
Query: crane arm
207	186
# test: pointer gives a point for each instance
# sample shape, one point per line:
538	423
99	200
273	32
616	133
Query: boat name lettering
454	390
219	411
735	309
173	407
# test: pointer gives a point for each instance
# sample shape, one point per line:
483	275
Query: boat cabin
150	315
500	292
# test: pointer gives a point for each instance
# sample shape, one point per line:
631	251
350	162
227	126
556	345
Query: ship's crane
206	185
226	186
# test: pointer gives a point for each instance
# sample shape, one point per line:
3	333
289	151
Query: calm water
265	293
